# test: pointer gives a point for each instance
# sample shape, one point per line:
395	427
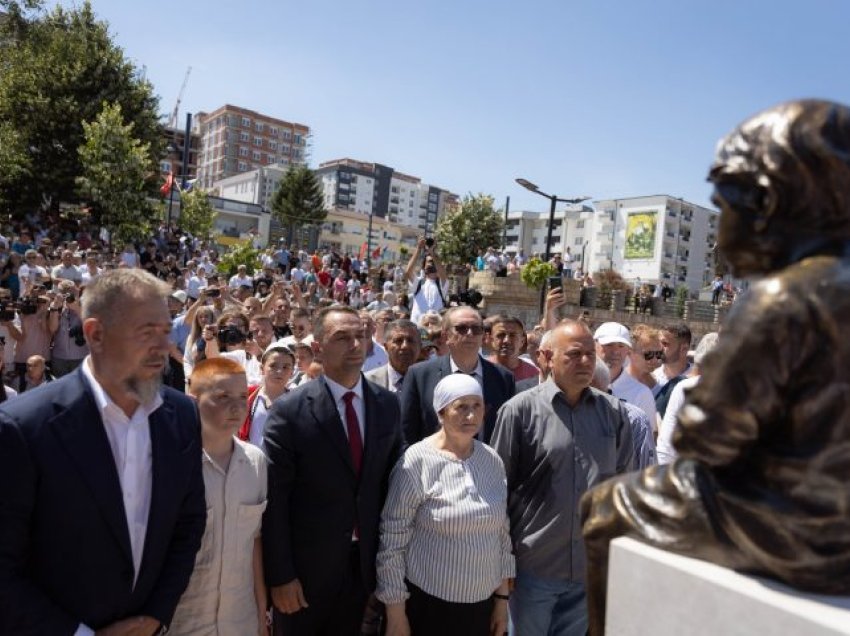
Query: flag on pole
169	183
376	253
363	249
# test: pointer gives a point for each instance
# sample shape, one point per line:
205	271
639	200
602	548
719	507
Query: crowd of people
372	456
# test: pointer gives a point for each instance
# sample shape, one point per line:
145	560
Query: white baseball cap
611	332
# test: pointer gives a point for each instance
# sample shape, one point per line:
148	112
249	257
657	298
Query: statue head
782	182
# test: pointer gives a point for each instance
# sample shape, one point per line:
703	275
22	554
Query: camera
213	292
555	282
470	297
77	334
429	242
69	298
28	306
231	336
7	312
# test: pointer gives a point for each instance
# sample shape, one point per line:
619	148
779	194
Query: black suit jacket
314	497
417	396
65	555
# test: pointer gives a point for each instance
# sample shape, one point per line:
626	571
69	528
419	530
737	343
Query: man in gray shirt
557	441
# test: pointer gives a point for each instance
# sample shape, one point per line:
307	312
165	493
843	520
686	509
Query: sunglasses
649	355
465	330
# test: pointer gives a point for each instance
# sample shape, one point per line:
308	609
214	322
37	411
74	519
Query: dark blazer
417	396
314	497
65	555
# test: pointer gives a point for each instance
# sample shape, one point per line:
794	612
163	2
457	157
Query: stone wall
511	296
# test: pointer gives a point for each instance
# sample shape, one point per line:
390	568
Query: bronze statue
762	481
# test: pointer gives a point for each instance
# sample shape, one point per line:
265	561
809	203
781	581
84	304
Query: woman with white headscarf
445	557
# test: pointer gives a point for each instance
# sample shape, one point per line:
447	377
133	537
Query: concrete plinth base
655	592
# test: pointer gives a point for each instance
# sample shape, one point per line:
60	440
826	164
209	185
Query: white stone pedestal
656	593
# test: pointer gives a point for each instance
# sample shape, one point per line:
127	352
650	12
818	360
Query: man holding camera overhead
66	327
428	290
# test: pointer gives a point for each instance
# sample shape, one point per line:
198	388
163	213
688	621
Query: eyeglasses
649	355
465	330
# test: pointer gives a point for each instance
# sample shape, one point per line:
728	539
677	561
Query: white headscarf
453	387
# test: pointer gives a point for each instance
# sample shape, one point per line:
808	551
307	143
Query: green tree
298	200
240	254
115	166
535	273
471	226
56	71
196	213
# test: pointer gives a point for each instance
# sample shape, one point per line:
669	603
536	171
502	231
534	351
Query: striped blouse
444	526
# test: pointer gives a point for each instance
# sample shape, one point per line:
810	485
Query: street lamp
553	200
172	150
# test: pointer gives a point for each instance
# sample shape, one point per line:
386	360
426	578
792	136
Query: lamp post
172	149
553	201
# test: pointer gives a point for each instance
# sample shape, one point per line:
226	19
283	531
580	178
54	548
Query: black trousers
429	615
341	615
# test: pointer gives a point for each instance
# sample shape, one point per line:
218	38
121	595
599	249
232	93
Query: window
579	240
287	135
243	152
297	154
258	126
243	136
255	156
297	139
580	224
258	141
242	166
272	145
270	159
273	131
284	148
246	122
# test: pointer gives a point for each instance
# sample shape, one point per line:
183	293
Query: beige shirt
220	597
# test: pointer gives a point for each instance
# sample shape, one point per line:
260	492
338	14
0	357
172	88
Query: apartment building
657	238
254	186
372	188
235	140
346	231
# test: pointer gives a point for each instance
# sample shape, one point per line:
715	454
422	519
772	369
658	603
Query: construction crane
172	121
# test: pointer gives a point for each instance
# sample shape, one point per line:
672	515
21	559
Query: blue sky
599	98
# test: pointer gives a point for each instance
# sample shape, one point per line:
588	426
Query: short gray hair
706	345
106	294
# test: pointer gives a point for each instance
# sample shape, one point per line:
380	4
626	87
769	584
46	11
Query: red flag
363	249
376	253
169	183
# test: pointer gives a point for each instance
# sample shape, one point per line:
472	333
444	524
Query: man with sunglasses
463	332
613	346
646	356
675	342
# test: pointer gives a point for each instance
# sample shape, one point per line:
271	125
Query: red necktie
353	426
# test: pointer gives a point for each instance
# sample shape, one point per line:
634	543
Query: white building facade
655	238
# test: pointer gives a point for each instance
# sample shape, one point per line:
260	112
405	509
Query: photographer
233	340
10	330
35	334
66	327
428	291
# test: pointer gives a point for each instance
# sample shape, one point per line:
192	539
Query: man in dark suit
463	332
101	496
331	445
403	344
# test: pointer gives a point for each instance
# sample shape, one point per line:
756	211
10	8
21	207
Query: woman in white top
445	558
278	363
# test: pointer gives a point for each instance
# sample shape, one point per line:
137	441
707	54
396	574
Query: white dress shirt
130	442
338	391
377	358
394	378
477	373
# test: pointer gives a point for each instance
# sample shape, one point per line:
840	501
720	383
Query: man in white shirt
103	506
430	290
613	344
31	273
241	278
376	355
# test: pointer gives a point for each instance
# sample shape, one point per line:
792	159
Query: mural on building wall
640	234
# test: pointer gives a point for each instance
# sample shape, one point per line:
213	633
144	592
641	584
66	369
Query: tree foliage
115	166
471	226
298	201
241	254
56	71
535	273
196	213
